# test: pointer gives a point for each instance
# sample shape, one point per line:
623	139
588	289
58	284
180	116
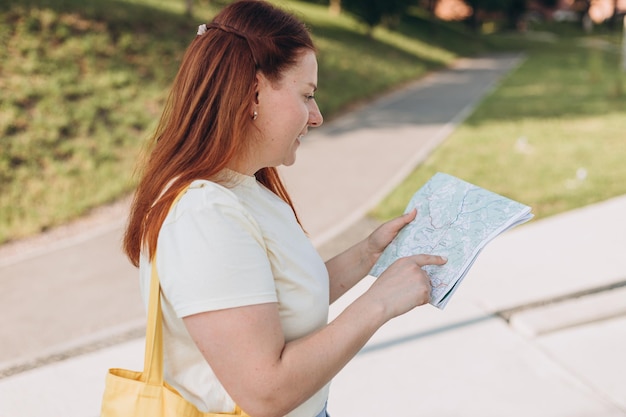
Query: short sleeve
211	254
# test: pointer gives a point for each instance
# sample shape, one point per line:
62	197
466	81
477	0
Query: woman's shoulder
208	205
211	200
203	194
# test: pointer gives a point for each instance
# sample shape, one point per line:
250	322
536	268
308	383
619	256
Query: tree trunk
189	8
613	20
515	13
586	21
432	6
624	47
473	18
335	7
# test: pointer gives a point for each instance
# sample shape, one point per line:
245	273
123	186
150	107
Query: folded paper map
455	219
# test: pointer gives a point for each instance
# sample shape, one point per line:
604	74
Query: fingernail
445	258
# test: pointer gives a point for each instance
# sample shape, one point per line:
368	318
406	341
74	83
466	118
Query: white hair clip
202	29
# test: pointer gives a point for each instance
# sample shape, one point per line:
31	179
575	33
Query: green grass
81	88
551	136
83	83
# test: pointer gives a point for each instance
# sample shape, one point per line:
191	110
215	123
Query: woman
245	296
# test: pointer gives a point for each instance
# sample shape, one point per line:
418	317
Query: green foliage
489	5
373	12
81	86
549	3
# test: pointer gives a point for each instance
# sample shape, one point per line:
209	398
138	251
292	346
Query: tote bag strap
153	357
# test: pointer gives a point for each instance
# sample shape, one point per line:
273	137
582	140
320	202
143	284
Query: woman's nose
315	116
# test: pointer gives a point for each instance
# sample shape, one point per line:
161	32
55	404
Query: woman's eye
310	97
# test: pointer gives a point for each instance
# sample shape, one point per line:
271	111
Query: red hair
207	117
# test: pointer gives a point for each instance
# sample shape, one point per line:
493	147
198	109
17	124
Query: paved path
538	327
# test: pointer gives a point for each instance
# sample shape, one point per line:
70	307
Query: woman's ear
256	88
261	84
255	103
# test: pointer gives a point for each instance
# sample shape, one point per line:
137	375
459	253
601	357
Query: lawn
552	135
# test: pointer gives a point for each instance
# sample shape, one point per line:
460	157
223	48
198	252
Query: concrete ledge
570	313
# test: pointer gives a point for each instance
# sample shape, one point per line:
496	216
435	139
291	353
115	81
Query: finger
423	259
410	216
401	221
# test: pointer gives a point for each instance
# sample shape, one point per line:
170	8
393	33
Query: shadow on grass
451	36
119	16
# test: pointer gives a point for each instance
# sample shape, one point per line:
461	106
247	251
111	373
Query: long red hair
207	116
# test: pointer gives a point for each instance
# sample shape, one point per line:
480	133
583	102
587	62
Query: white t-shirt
222	247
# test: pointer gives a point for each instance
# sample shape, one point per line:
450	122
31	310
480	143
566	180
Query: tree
481	6
431	6
373	12
513	10
515	13
614	16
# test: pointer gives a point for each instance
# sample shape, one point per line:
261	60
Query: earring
255	114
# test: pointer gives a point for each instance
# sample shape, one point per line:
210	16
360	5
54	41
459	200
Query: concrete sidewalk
538	327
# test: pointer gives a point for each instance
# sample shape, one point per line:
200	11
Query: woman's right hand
404	285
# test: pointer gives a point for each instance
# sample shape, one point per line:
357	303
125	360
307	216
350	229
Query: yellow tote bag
146	394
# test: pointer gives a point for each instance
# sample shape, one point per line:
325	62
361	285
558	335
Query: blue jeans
323	413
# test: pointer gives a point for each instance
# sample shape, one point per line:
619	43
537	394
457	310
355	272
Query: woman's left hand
376	243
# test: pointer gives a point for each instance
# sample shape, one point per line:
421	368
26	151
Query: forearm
266	376
348	268
305	365
317	358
